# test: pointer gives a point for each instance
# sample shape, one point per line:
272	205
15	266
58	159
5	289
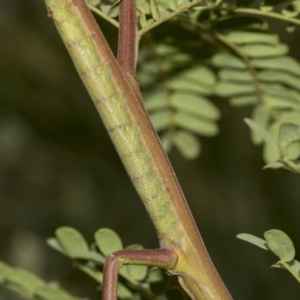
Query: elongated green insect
126	120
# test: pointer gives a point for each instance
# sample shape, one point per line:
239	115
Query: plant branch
126	120
127	45
162	258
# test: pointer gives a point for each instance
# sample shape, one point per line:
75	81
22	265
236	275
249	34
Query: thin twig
103	15
257	12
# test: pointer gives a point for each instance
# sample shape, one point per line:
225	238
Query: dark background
58	167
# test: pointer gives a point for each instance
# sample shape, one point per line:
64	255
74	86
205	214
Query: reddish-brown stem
162	258
127	36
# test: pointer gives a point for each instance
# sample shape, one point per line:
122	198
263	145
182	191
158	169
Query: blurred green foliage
58	167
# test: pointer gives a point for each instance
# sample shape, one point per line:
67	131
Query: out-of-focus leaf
194	104
281	103
231	89
280	92
154	9
5	269
266	8
90	255
196	125
138	273
292	10
71	240
283	63
23	282
199	80
182	83
235	75
54	243
187	144
123	292
290	28
105	8
52	293
243	100
227	60
263	133
289	140
172	4
143	6
114	9
155	275
261	117
261	50
253	240
202	74
295	265
290	117
281	77
142	19
167	140
161	120
274	165
96	275
108	241
165	49
270	152
251	37
156	100
280	244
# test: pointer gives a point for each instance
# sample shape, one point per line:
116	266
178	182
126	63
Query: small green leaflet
280	244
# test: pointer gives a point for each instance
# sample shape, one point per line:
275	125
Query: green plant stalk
291	164
130	129
289	269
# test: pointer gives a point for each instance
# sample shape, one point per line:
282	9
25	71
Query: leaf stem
257	12
288	268
103	15
172	15
291	165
